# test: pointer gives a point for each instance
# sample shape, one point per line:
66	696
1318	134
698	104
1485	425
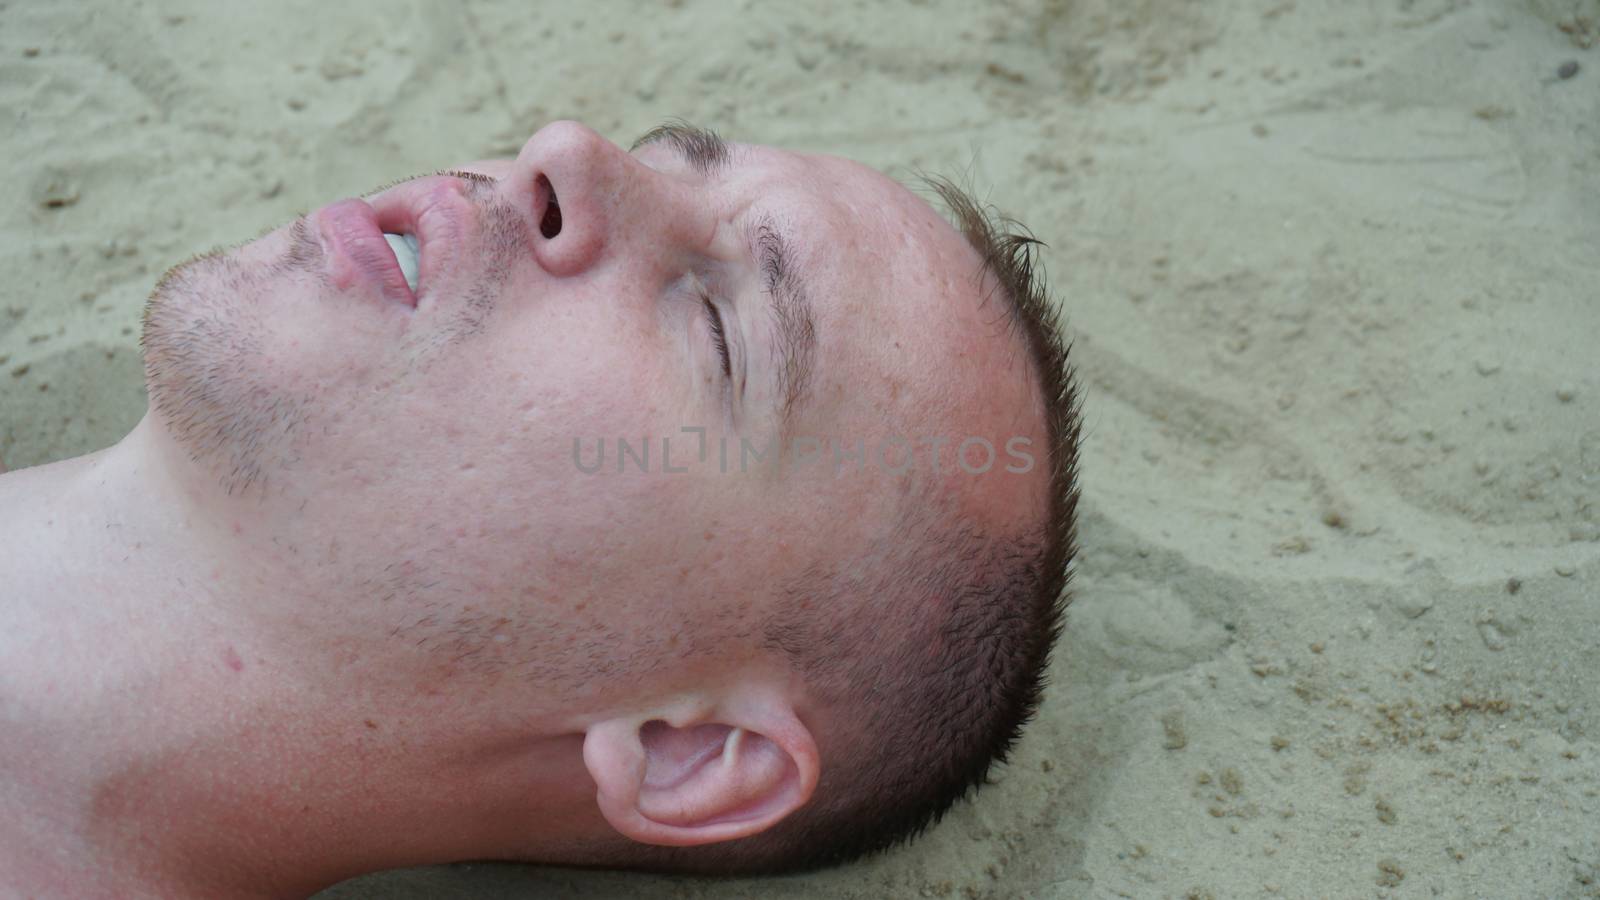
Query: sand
1331	272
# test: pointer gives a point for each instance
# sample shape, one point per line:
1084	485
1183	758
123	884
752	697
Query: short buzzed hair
931	646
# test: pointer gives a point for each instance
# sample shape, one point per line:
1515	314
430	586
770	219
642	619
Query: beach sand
1332	278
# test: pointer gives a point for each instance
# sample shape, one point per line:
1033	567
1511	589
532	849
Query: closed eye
719	335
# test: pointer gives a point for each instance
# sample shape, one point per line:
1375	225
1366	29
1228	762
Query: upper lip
436	211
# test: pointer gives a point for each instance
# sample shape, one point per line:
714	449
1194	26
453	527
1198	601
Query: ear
697	779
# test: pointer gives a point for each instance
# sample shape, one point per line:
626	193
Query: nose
589	202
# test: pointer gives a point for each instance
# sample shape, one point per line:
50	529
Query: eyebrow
702	148
786	285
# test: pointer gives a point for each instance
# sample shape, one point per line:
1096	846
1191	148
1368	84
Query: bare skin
341	601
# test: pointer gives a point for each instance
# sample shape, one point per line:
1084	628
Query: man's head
742	464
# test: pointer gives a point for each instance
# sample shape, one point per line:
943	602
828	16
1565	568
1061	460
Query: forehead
914	340
910	332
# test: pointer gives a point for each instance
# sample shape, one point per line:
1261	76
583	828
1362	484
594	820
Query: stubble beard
202	343
202	346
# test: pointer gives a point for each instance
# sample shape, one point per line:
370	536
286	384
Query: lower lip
357	253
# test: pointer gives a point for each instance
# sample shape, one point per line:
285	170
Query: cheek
479	454
327	348
504	422
582	372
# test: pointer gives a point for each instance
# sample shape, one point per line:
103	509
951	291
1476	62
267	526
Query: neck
180	722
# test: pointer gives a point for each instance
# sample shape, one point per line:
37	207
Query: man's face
436	464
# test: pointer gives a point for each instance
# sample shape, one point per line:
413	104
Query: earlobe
700	782
615	759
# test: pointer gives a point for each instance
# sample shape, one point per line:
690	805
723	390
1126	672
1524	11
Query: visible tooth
405	251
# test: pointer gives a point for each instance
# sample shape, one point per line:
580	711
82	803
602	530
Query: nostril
550	223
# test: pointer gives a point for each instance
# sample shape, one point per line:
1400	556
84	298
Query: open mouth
359	251
403	243
405	253
425	222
